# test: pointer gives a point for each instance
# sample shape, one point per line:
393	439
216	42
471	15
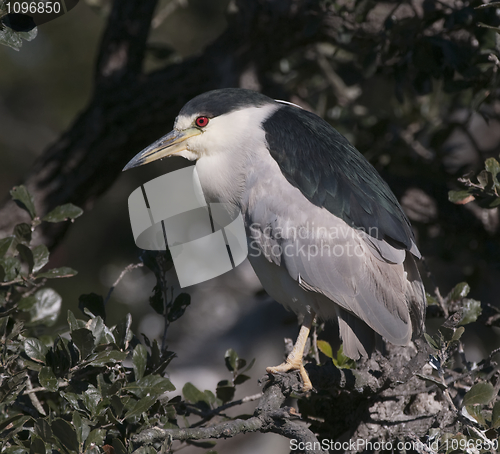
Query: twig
441	302
314	344
34	400
235	403
130	267
42	389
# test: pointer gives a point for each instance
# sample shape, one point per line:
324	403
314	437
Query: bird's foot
293	364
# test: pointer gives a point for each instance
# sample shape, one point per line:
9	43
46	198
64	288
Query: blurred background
414	129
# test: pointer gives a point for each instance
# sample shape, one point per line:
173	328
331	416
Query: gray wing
332	174
343	265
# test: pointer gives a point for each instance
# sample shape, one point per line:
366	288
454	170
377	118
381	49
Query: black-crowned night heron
326	235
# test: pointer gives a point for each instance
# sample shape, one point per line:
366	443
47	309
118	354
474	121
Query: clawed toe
293	365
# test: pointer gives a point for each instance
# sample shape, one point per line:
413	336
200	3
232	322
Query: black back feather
331	173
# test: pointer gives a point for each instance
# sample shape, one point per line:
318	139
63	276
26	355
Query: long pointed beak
168	145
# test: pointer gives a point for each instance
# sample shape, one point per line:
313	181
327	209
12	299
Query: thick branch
269	417
124	41
135	110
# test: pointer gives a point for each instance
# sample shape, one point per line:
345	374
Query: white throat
227	149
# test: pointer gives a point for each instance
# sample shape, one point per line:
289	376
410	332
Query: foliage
399	79
486	190
90	387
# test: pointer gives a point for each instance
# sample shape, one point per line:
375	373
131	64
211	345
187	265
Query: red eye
201	122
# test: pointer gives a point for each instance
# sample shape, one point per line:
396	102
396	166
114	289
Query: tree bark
130	109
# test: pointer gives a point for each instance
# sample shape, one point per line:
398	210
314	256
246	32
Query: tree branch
269	416
123	44
136	109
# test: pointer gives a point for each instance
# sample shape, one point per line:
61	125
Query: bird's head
214	122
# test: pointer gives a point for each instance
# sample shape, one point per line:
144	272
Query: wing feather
332	174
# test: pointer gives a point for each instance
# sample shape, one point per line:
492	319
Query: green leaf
55	273
14	421
231	359
22	233
150	385
96	437
475	412
26	304
11	267
431	342
123	333
242	378
107	358
66	434
493	167
460	290
117	405
433	380
91	398
343	361
249	366
23	199
495	416
180	304
460	197
485	180
47	307
156	300
41	257
96	325
210	397
84	341
82	429
139	361
74	323
193	395
119	447
458	333
225	391
47	379
72	398
63	213
26	256
481	393
43	430
5	245
94	303
141	406
325	348
35	349
495	203
14	449
471	311
37	446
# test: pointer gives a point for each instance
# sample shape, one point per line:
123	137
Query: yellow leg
294	360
